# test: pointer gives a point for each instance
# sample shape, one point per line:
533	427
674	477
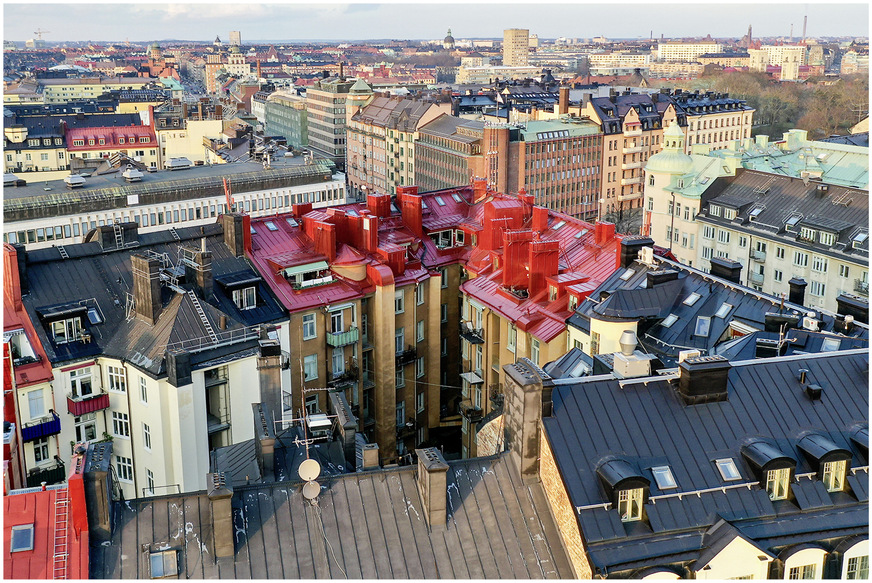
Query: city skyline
298	21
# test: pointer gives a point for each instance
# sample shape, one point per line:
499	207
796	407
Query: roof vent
628	342
685	354
814	392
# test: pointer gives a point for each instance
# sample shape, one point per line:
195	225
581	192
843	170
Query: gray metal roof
366	525
655	428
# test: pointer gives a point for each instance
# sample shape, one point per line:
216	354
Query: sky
292	20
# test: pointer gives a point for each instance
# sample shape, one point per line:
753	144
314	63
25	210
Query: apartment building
163	352
736	60
713	119
516	47
448	153
192	196
681	51
326	103
86	145
285	115
381	141
85	88
788	57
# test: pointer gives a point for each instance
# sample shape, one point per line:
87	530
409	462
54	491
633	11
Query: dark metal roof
366	525
655	428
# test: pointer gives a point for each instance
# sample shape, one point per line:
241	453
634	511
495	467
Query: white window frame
77	381
310	330
834	475
34	397
310	367
728	470
68	330
124	469
146	436
534	351
419	331
400	340
143	391
778	484
419	294
630	504
117	378
245	298
664	478
399	301
802	572
512	338
120	424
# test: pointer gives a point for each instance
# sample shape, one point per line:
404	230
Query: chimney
347	425
98	490
544	262
528	200
603	232
370	456
412	210
854	307
78	506
369	233
527	400
516	246
775	322
234	237
540	219
703	379
10	274
479	189
301	208
379	205
146	287
630	247
324	236
201	274
657	276
269	373
433	486
264	440
563	102
178	367
797	290
726	269
220	495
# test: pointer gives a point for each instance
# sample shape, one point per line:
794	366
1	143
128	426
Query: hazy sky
195	20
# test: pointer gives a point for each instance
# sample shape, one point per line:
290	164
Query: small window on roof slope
691	299
628	274
723	310
22	538
669	320
664	478
728	470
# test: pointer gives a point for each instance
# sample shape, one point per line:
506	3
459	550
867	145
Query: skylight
755	213
424	204
94	316
439	200
253	232
22	538
830	344
291	222
456	197
669	320
164	564
663	477
691	299
703	324
271	226
558	225
728	470
792	221
628	274
859	238
723	310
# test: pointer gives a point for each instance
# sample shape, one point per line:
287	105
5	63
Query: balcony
344	379
53	474
340	339
755	278
632	165
216	423
633	149
470	334
631	180
470	411
368	379
758	256
407	356
861	287
80	405
43	427
633	131
495	391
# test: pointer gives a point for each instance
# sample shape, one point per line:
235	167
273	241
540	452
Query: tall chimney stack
146	287
433	486
220	495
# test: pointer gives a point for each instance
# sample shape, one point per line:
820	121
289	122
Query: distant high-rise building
516	46
235	37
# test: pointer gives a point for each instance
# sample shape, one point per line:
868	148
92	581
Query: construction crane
39	32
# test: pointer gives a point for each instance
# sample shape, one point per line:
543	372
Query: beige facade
788	57
679	51
65	90
516	47
187	142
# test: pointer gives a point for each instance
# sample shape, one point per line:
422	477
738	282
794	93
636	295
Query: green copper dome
672	160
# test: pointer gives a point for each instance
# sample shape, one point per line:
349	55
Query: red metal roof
112	138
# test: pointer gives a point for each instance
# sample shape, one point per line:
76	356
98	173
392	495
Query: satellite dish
311	490
309	470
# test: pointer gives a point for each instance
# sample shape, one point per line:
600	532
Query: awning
10	333
471	378
305	268
741	328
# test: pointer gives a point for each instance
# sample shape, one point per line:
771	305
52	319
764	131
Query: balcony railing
473	335
631	180
759	256
82	404
339	339
43	427
756	278
861	287
407	356
629	132
216	423
343	379
633	149
495	391
632	165
52	474
470	411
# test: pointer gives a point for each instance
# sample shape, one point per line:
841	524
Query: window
513	337
36	404
309	326
777	483
827	238
728	470
164	564
149	481
858	568
777	275
117	379
120	424
443	274
40	450
715	210
86	427
534	351
817	288
337	362
691	299
245	299
723	236
310	367
819	263
803	572
743	241
399	302
419	329
146	436
779	252
143	390
420	402
124	468
444	347
419	367
663	477
806	233
68	330
800	259
729	214
844	271
834	475
80	382
630	504
724	310
22	538
444	312
401	377
708	232
703	324
419	294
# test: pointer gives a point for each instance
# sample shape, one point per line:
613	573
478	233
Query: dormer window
729	214
790	224
68	330
834	475
573	302
828	459
752	216
245	298
630	504
827	239
120	140
777	483
773	469
552	293
715	210
806	233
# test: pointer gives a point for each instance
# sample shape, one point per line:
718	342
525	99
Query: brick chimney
563	101
527	400
516	246
630	247
324	236
301	208
370	456
264	439
603	232
269	373
78	508
726	269
146	287
10	275
540	219
98	490
433	486
368	225
543	262
410	206
220	495
201	275
234	238
479	188
347	424
703	379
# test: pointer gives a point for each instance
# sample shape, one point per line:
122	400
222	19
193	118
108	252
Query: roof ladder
175	234
119	236
61	551
63	252
202	315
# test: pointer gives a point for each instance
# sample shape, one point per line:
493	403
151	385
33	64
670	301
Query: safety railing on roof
221	338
